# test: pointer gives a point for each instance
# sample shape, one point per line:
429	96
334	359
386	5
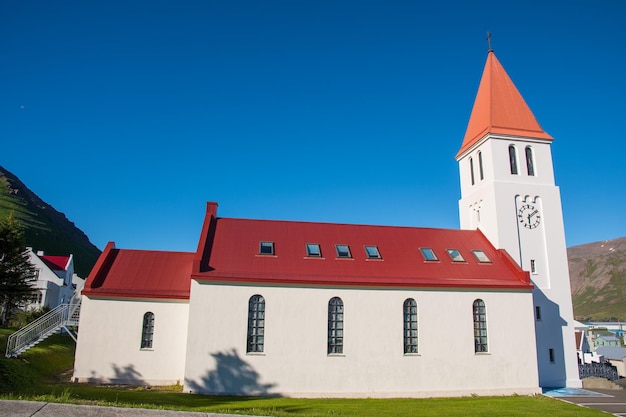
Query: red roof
499	108
140	273
55	263
235	257
228	251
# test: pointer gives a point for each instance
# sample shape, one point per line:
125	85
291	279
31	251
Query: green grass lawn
42	372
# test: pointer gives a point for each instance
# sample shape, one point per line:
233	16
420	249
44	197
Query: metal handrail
61	316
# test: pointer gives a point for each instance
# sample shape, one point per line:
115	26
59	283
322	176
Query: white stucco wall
295	362
109	338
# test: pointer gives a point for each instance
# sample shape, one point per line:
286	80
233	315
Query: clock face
529	216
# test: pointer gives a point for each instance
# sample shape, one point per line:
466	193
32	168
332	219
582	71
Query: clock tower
508	192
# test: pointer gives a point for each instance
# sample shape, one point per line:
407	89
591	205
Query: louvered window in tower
513	159
530	163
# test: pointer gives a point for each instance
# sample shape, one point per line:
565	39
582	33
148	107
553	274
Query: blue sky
128	116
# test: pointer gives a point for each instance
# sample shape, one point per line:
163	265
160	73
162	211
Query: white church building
307	309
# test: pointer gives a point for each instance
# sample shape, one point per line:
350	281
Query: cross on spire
489	42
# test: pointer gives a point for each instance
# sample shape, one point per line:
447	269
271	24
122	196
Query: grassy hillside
598	279
45	228
47	363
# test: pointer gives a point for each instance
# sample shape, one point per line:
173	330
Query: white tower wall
500	205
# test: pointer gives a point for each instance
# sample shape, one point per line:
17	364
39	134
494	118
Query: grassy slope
40	372
43	364
45	228
599	280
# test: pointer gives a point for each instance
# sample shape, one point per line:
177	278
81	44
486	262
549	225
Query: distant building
616	356
583	348
55	279
606	340
334	310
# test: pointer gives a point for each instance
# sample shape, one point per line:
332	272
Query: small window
343	251
513	159
147	331
266	248
530	164
455	255
256	324
481	256
538	312
372	252
480	166
428	254
313	250
533	266
480	326
410	326
335	326
551	354
472	170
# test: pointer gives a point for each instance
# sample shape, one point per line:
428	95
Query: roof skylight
313	250
372	252
343	251
429	254
481	256
455	255
266	248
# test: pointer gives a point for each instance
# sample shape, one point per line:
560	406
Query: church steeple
508	192
499	108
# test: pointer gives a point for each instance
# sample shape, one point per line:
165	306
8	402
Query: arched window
256	324
335	326
410	326
147	331
480	166
471	161
513	159
480	326
530	164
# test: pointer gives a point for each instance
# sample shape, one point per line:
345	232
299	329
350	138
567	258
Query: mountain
45	228
598	279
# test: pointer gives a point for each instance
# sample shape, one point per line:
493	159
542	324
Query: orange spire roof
499	108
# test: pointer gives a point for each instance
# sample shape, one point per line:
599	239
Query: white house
55	279
334	310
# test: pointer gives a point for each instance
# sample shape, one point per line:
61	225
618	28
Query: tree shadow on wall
127	375
232	376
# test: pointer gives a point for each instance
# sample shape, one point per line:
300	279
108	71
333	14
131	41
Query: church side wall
109	342
373	364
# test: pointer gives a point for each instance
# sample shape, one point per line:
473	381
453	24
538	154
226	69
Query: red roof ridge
342	224
499	108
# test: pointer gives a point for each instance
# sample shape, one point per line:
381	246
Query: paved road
42	409
611	401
